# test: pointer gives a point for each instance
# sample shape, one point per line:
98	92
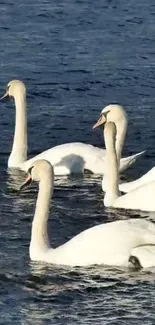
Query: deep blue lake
75	57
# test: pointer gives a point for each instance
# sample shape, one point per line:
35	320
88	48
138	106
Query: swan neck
19	148
121	128
39	234
111	171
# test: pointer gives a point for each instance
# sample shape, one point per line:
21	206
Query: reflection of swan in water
66	158
111	243
14	178
56	284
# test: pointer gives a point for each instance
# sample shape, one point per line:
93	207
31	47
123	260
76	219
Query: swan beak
5	95
26	183
101	121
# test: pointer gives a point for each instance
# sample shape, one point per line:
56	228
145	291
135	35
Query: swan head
39	171
111	113
14	88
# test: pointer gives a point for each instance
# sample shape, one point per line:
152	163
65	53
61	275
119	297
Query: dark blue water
75	57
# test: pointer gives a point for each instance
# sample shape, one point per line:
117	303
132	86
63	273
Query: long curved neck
39	234
121	128
19	148
111	172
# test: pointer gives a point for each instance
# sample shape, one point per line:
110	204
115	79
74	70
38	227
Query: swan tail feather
128	161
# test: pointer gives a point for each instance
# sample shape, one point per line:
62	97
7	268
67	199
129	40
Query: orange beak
5	95
101	121
27	182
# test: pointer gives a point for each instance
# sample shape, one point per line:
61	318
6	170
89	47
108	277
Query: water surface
75	57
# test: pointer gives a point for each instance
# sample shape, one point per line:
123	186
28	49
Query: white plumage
66	158
111	243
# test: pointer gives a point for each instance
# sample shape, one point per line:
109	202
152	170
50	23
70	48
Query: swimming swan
143	255
146	178
110	243
116	114
66	158
141	198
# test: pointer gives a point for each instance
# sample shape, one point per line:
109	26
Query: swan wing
128	161
109	243
141	198
145	255
75	157
72	158
129	186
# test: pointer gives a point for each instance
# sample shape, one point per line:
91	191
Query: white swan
112	243
146	178
66	158
110	114
144	254
141	198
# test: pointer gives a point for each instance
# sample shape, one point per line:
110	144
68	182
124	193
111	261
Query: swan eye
30	170
105	113
7	88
